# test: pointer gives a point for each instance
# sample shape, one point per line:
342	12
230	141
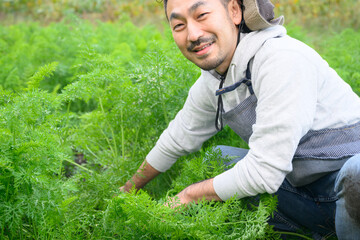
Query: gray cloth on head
259	14
266	9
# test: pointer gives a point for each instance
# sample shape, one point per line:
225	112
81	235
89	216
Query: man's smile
203	49
201	43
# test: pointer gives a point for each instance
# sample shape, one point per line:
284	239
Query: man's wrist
142	176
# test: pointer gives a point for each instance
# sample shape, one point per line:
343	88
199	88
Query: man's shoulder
287	44
286	47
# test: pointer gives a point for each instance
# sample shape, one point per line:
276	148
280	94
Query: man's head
205	31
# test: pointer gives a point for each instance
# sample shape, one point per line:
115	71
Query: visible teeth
205	46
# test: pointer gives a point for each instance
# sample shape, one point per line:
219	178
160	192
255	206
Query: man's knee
232	154
351	188
352	196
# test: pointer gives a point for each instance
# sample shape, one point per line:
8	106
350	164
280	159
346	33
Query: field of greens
81	104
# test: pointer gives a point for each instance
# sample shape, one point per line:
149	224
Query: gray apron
318	153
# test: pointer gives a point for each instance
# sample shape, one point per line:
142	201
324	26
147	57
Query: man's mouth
200	48
201	45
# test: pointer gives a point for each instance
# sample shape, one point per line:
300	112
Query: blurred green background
332	15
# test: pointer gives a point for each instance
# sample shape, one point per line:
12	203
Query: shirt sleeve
285	84
194	124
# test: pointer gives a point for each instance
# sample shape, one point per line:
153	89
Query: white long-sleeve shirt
296	91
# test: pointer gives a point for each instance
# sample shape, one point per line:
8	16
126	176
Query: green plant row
46	194
80	107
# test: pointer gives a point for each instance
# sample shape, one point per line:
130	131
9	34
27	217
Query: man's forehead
174	6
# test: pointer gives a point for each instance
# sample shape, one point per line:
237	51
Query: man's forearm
143	175
198	191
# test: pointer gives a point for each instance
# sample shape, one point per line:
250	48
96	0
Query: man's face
205	31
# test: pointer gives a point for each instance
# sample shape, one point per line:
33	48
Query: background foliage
329	15
82	101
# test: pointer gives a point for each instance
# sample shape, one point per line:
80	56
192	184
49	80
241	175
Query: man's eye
202	15
178	26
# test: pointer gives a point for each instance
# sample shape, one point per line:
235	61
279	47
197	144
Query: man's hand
194	193
123	189
143	175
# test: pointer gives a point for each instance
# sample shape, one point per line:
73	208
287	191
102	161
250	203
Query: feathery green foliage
343	53
142	217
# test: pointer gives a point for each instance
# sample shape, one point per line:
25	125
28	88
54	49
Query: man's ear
235	11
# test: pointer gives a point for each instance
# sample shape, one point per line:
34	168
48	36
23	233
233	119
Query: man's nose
194	32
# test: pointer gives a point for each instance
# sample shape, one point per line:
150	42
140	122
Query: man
300	119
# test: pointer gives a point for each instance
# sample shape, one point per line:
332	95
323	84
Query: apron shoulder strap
246	80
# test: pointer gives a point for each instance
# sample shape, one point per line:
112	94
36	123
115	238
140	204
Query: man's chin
208	66
206	62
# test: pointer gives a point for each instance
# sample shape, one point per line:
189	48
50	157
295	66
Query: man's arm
143	175
198	191
192	193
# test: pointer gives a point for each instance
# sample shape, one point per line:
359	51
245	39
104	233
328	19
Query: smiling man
300	119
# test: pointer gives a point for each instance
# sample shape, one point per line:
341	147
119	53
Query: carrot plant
32	153
342	52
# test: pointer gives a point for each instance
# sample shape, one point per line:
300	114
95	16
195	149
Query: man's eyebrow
196	5
174	15
191	10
